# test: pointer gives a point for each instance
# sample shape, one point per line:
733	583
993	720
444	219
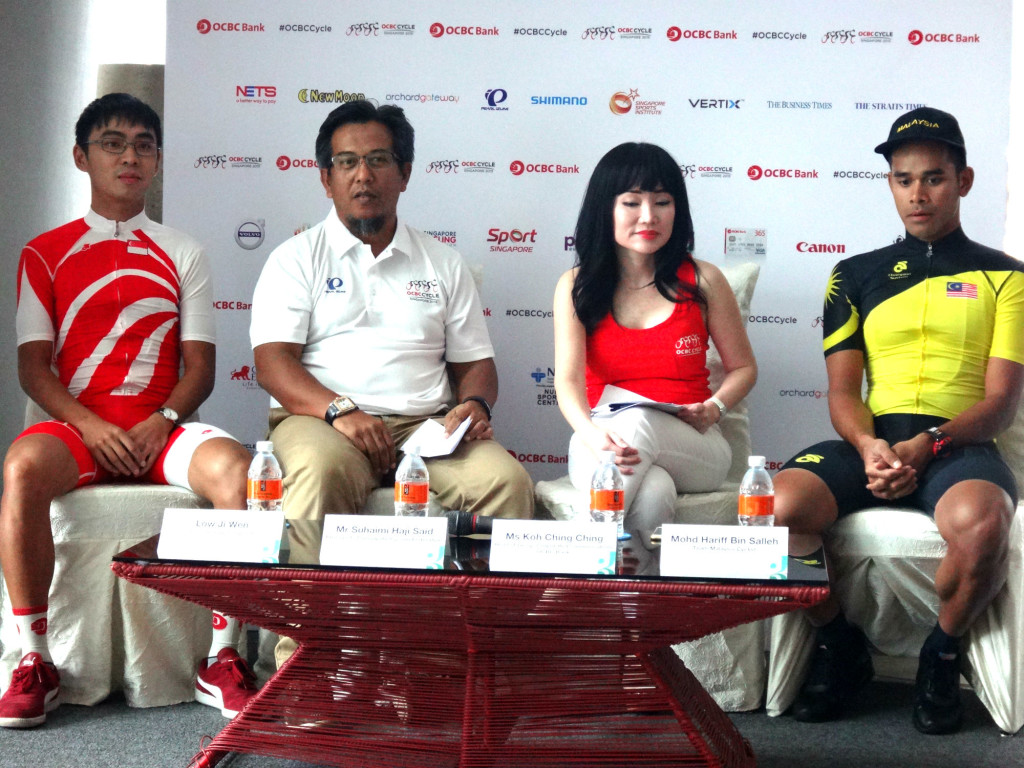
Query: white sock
225	634
32	624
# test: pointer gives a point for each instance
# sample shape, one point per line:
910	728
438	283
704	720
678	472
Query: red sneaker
226	684
34	691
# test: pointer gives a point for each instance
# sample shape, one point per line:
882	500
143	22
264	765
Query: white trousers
674	458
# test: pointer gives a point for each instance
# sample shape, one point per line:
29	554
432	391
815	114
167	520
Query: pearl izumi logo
675	34
518	168
285	163
756	172
205	26
916	37
495	97
249	234
624	102
437	29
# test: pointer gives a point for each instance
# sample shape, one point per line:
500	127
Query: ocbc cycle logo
364	28
203	26
598	33
436	29
840	36
443	166
517	167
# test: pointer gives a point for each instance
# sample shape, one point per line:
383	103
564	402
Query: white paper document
615	399
429	439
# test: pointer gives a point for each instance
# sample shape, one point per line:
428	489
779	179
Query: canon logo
805	247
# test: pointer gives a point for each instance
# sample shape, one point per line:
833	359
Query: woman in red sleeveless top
632	323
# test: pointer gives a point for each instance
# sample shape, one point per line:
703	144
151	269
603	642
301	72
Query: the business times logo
805	247
244	376
337	96
437	29
839	37
675	34
518	168
702	171
511	240
756	172
285	163
442	166
544	381
211	161
495	98
446	236
917	37
624	102
249	234
255	94
606	32
783	104
205	26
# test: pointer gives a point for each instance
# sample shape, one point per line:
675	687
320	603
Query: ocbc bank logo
285	163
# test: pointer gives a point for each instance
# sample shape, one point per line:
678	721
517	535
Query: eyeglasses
375	161
116	145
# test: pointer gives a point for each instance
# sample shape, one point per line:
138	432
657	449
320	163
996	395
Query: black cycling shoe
937	707
839	670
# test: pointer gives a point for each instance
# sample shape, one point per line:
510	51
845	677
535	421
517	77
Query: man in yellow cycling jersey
934	323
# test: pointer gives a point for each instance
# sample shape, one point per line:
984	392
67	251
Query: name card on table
221	535
725	551
384	542
549	546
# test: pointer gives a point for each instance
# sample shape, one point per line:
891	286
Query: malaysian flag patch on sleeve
961	290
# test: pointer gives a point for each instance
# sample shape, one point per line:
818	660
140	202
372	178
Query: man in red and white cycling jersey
116	344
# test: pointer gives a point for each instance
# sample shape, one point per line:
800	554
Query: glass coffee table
464	667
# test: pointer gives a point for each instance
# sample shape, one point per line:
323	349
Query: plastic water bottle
265	487
607	500
757	495
412	487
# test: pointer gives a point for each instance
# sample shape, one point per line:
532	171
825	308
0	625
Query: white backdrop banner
772	110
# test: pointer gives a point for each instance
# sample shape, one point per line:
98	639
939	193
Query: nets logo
205	27
756	172
518	168
285	163
255	94
437	29
916	37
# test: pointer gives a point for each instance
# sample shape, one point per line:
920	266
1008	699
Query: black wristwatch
484	403
942	444
339	407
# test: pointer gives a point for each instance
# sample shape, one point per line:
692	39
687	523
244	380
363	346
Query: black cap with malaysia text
923	124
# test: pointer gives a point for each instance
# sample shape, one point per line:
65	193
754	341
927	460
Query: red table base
442	669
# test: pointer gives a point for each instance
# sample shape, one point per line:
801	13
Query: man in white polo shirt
362	327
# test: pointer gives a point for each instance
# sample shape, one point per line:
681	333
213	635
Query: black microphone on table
461	523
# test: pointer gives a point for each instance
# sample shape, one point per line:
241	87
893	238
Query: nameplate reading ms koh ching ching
220	535
368	541
548	546
725	551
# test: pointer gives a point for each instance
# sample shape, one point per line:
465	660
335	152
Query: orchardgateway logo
249	234
756	172
916	37
205	26
518	168
437	29
422	98
675	34
285	163
255	94
624	102
338	96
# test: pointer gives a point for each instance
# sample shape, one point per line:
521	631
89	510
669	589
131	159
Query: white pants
674	458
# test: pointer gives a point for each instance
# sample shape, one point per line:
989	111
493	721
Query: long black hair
632	165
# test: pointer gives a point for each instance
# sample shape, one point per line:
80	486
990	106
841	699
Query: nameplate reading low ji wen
724	551
221	535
